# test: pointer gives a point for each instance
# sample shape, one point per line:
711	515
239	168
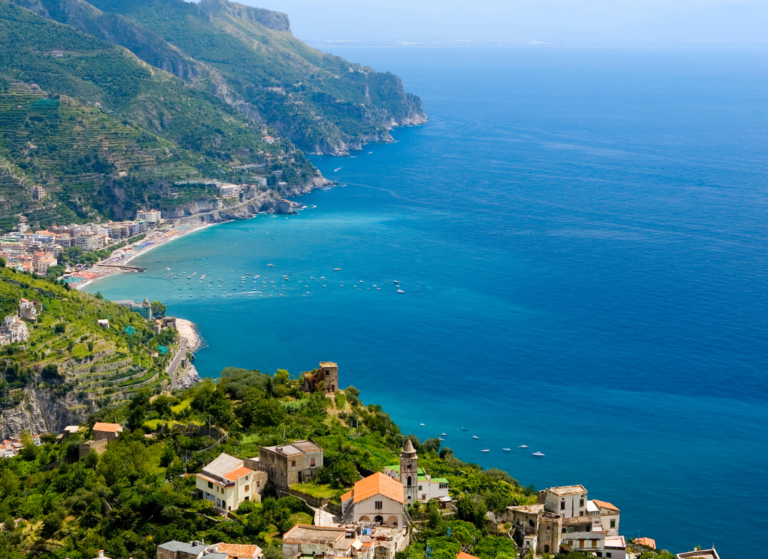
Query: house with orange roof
609	517
106	431
377	499
228	482
647	542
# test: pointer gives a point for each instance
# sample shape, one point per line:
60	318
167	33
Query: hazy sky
523	21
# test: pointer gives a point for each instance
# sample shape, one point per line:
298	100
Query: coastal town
378	517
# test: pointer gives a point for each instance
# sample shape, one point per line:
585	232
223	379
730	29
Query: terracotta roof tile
239	551
347	496
463	555
605	505
379	484
108	427
237	473
648	542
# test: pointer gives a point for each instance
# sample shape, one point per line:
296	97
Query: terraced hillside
105	132
248	58
71	366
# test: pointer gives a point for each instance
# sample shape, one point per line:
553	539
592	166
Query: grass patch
179	408
324	491
301	518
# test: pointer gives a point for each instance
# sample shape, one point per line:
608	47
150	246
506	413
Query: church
417	484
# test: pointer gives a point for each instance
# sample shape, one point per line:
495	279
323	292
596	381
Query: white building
28	309
615	548
87	242
13	330
152	217
304	540
417	484
609	515
229	190
377	499
228	482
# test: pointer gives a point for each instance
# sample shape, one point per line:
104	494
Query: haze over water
580	235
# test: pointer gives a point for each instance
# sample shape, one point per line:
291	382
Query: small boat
443	434
421	424
400	291
337	269
475	437
538	454
523	446
440	439
486	450
463	428
270	265
507	449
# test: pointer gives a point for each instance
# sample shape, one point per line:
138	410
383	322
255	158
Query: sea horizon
578	237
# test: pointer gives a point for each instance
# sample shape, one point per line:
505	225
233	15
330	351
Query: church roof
378	484
408	448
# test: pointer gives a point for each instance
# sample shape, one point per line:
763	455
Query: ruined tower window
312	462
613	524
581	502
562	505
293	463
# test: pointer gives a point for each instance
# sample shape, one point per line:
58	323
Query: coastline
188	331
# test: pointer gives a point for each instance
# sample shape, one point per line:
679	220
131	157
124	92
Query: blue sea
580	237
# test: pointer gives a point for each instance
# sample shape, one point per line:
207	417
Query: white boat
440	439
486	450
270	265
475	437
443	434
523	446
421	424
337	269
538	454
400	291
507	449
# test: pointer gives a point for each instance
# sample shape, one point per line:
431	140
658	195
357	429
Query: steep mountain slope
103	131
249	59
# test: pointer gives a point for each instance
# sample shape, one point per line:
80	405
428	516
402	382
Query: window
419	487
379	505
210	485
258	484
247	488
312	462
581	502
293	463
599	553
613	524
443	486
607	553
589	528
570	529
423	496
246	478
409	481
563	529
562	505
546	549
530	522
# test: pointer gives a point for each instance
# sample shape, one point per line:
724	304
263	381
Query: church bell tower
409	472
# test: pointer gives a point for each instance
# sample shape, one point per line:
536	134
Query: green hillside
103	131
249	58
69	353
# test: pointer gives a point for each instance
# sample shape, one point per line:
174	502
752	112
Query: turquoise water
580	235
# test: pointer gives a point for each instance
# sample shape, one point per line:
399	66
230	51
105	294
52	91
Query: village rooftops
528	509
605	505
615	541
108	428
299	447
378	484
315	535
702	554
189	548
567	490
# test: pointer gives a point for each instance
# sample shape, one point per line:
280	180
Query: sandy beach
123	256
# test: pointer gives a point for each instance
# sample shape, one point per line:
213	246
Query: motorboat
486	450
538	454
507	449
475	437
523	446
443	434
421	424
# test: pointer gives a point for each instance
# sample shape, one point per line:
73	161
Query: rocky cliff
42	412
